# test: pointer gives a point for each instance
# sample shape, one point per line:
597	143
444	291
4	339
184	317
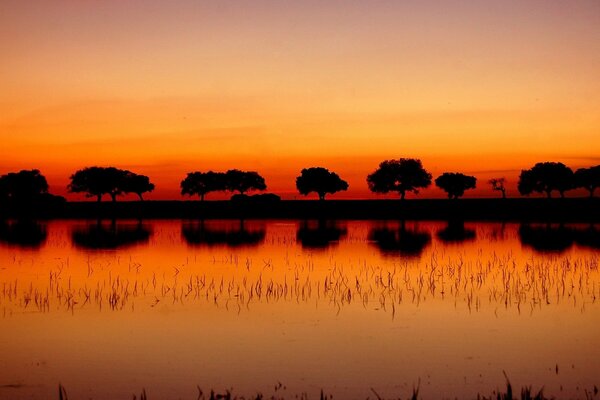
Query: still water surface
110	308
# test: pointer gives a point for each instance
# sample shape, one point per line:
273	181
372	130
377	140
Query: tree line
404	175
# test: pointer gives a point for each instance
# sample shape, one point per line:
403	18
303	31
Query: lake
291	307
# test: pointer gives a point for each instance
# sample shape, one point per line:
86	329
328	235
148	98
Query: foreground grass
526	393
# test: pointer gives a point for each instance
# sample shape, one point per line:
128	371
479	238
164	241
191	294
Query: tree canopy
98	181
23	186
202	183
321	181
588	178
455	183
244	181
402	175
498	185
546	177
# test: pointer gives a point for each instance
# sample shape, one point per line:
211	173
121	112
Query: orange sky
164	88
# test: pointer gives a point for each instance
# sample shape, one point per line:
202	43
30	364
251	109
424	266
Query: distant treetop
402	175
98	181
546	177
321	181
455	183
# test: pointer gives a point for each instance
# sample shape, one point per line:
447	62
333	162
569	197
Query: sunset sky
167	87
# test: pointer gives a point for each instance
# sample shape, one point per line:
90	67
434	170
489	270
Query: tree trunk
114	197
321	196
503	193
202	197
141	197
549	193
402	194
99	198
562	194
591	192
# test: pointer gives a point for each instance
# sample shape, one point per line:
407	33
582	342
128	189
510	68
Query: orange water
109	309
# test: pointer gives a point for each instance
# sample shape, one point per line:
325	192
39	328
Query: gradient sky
167	87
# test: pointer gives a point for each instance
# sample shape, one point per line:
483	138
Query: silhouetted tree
455	184
24	186
320	235
202	183
588	178
401	241
23	233
99	236
321	181
98	181
403	175
135	183
244	181
456	232
546	177
498	185
218	234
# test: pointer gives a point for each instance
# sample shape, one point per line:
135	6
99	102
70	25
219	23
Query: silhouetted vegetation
455	232
403	175
244	181
98	181
321	181
455	183
110	236
232	235
546	177
552	238
498	185
588	178
320	234
546	238
400	241
23	233
202	183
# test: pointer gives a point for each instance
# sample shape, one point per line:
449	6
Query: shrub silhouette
321	181
243	181
23	187
588	178
402	175
455	183
202	183
545	177
498	185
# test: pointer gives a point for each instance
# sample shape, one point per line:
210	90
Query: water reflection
402	241
320	234
455	232
231	234
550	238
112	235
27	234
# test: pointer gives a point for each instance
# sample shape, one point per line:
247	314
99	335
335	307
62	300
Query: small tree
403	175
202	183
135	183
98	181
588	178
23	187
321	181
498	185
455	184
546	177
243	181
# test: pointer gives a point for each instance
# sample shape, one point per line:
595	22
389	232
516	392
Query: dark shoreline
518	209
